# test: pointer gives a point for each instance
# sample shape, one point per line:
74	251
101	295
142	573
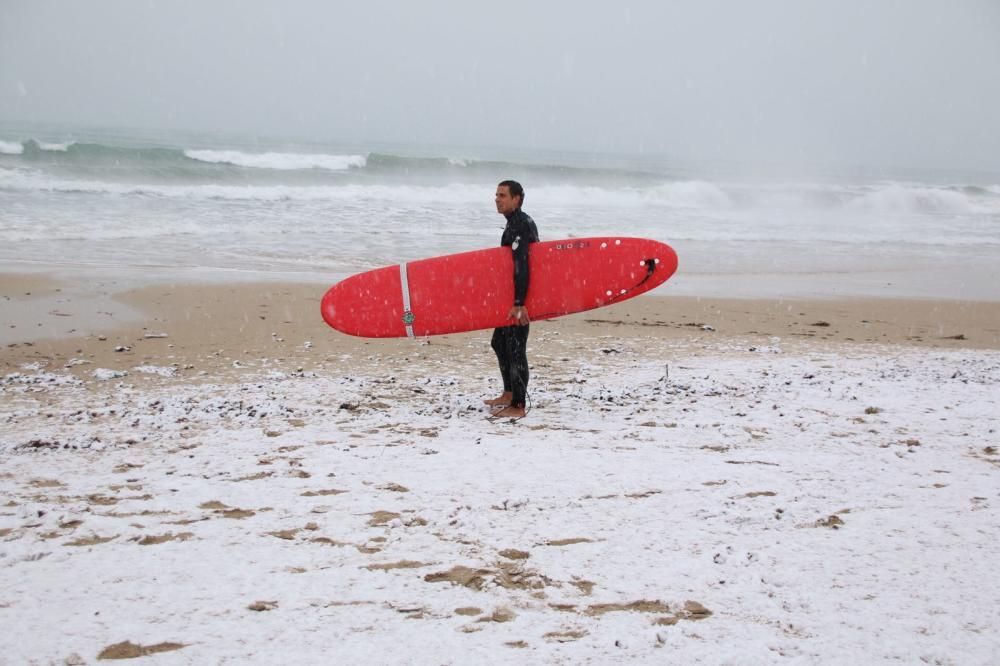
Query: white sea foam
680	194
280	161
11	148
899	198
693	195
56	147
24	180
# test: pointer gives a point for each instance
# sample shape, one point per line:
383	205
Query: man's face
506	204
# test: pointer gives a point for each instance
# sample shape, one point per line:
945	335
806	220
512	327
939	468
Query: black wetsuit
510	342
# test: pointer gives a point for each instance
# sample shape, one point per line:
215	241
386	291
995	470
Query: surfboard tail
328	308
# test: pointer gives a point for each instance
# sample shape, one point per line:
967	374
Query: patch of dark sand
833	522
692	611
382	518
226	511
760	493
132	514
643	606
379	518
565	636
511	576
47	483
500	615
163	538
255	477
236	514
474	579
129	650
101	500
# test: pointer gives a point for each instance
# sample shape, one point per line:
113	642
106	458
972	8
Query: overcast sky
904	83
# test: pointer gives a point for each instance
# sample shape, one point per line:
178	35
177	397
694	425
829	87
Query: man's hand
519	314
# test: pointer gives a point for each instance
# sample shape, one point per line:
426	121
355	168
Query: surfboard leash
650	269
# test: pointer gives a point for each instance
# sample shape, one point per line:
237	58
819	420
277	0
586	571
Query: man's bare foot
510	413
503	400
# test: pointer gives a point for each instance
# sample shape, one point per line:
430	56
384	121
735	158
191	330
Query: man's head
510	197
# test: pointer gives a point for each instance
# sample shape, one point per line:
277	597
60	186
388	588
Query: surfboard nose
668	260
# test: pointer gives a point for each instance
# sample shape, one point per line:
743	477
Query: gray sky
873	82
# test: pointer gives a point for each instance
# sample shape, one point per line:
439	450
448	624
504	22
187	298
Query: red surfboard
475	290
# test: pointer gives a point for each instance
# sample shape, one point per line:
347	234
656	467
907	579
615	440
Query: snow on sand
743	505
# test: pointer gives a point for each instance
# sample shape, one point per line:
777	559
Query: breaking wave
313	175
11	148
896	198
694	195
279	161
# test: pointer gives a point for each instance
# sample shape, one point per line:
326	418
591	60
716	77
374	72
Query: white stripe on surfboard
405	283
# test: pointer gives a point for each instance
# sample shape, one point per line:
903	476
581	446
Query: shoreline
908	273
221	329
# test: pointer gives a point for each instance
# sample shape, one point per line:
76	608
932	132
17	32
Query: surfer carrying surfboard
510	342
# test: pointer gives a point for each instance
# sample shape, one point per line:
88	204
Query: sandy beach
208	473
212	326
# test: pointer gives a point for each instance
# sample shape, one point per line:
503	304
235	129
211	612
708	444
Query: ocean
88	202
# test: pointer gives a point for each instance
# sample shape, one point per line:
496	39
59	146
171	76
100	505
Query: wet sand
214	330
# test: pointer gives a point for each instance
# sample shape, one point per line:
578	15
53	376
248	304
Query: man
510	342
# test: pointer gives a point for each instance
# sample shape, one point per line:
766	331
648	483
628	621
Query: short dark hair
514	188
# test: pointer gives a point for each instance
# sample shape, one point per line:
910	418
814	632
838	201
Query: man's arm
522	273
